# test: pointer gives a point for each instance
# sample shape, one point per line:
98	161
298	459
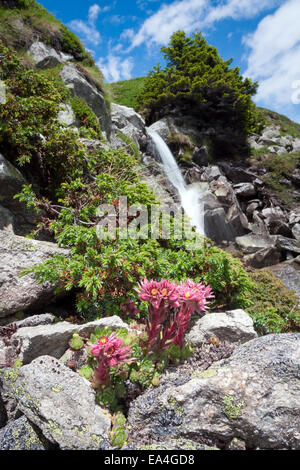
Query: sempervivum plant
109	352
170	307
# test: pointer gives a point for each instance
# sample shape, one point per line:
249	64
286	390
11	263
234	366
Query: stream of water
191	196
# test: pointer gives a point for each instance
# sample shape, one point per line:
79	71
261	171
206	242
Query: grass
125	92
29	21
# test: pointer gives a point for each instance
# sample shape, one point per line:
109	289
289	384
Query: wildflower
109	352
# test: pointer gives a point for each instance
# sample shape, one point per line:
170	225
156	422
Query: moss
231	410
57	389
11	375
207	374
274	308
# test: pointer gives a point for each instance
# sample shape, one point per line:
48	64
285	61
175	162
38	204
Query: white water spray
191	196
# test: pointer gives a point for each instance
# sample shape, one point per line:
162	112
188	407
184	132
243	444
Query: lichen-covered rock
45	56
20	293
21	435
234	326
80	87
253	396
66	115
59	402
129	123
53	340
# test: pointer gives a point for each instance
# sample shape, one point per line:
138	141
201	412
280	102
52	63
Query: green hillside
125	92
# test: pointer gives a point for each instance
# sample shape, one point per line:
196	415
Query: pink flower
109	352
158	293
194	295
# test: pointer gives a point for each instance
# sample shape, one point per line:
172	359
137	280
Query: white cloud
115	68
189	15
274	56
87	30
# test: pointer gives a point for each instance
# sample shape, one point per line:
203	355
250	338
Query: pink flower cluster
110	352
171	306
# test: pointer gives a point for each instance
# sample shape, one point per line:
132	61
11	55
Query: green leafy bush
85	115
274	308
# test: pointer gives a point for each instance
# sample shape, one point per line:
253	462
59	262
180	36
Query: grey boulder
21	435
52	340
59	402
80	87
21	293
234	326
252	396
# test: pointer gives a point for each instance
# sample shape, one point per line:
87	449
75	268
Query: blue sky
263	37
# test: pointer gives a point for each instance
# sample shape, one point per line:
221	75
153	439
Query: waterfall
191	196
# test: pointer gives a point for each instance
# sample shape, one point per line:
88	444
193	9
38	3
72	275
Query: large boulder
80	87
289	273
45	56
255	242
252	396
22	435
52	340
14	217
128	122
162	128
59	402
21	293
234	326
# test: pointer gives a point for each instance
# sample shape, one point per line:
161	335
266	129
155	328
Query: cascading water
191	196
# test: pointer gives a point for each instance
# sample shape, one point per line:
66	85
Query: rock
211	173
289	273
269	137
200	156
36	320
263	258
21	293
252	396
122	115
128	123
296	145
295	177
22	435
59	402
294	216
252	207
236	174
80	87
296	231
244	190
66	115
252	242
234	326
288	244
13	214
46	57
6	220
52	340
273	214
162	128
